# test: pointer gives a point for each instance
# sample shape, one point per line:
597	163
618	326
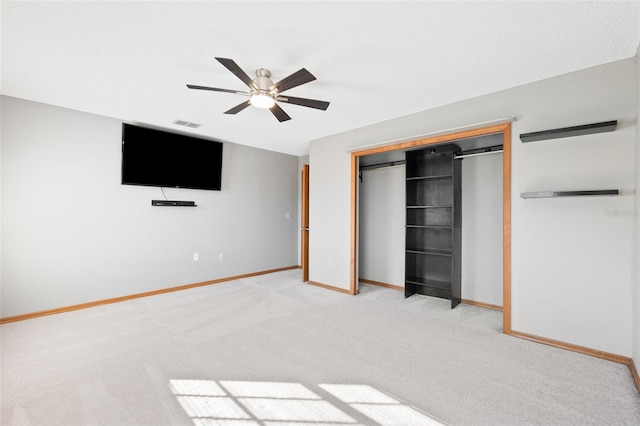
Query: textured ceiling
373	60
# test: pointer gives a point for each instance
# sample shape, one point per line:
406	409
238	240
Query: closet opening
380	213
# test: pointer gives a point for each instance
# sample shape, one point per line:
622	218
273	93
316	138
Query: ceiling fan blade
215	89
299	77
311	103
237	71
236	109
279	113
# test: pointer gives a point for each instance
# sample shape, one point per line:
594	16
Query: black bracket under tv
173	203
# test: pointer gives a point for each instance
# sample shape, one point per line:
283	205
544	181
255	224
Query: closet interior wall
382	224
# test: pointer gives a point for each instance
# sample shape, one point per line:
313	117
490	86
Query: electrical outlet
220	257
287	215
330	261
196	257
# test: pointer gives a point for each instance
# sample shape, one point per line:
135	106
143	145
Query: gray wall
482	229
571	258
72	234
381	228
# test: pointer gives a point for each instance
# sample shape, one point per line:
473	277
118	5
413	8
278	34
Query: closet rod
383	165
477	154
402	162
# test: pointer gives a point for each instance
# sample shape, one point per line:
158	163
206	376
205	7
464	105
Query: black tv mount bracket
173	203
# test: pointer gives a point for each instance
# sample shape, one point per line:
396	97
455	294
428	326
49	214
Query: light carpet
270	350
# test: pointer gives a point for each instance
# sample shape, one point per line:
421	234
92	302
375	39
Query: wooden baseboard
634	373
381	284
466	301
329	287
584	350
135	296
575	348
482	304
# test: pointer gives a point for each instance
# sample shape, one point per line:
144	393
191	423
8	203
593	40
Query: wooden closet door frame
505	129
304	224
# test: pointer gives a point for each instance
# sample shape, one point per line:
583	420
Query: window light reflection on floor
219	422
212	407
379	406
359	394
244	403
268	390
297	410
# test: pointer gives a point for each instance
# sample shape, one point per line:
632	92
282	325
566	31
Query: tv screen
156	158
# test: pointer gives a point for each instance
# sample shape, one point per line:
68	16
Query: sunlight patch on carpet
244	403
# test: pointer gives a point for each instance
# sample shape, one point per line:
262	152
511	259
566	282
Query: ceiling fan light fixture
264	92
262	100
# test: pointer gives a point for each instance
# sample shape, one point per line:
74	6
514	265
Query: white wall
382	220
571	258
72	234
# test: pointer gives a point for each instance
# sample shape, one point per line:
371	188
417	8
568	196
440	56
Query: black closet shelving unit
433	223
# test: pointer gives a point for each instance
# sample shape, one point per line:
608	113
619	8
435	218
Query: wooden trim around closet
482	131
136	296
353	282
505	129
506	230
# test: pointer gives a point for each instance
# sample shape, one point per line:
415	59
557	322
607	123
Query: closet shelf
434	252
429	177
557	194
434	282
430	226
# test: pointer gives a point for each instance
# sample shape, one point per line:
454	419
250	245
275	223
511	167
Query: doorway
505	130
304	224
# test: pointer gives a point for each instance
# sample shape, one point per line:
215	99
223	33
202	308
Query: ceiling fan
265	93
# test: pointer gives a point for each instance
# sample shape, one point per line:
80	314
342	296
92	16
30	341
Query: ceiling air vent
187	124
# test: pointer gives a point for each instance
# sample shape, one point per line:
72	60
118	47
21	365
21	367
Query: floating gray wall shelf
555	194
565	132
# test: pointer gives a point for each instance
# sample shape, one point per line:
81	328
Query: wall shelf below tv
556	194
173	203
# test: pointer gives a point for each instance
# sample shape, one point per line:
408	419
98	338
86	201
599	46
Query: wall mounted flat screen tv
153	157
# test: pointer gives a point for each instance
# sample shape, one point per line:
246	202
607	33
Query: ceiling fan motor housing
263	80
